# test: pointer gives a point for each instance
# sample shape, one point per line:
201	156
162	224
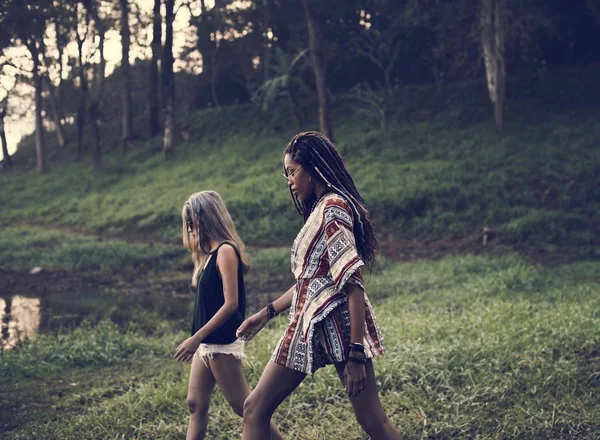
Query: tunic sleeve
344	260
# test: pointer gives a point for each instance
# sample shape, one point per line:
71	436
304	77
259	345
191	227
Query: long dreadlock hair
319	157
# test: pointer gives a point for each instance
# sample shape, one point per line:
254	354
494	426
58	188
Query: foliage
438	170
99	344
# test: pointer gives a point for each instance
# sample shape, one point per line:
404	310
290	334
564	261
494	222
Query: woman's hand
187	348
355	378
251	326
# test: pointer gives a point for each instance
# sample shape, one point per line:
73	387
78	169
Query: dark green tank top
210	298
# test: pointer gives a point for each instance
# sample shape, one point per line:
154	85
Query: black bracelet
354	346
362	361
271	313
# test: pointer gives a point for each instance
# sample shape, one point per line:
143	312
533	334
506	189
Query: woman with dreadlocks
331	318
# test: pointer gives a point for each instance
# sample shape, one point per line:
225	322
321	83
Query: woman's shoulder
337	203
226	254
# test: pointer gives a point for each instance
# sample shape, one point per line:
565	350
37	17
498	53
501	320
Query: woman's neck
214	245
320	189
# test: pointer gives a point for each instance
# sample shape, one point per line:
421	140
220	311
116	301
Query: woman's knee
254	408
238	408
197	406
372	421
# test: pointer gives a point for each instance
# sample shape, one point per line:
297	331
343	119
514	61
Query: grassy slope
495	348
439	170
477	348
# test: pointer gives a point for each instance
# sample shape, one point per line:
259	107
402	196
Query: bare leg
229	374
367	407
275	384
202	383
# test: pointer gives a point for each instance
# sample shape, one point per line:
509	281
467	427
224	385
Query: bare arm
356	308
282	303
251	326
355	373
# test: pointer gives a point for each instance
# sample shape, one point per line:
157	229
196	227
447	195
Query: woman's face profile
297	178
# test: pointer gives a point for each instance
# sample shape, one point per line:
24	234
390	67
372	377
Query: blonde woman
216	353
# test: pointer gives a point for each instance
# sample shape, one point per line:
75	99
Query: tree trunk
214	78
298	112
40	148
6	318
83	89
56	114
55	105
500	26
267	55
154	90
168	146
320	72
127	116
168	81
98	86
493	15
208	25
96	151
185	125
7	161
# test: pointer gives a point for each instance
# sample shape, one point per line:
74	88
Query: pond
23	317
20	317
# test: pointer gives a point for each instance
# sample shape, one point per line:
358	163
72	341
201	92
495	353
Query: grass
487	348
478	347
27	246
441	169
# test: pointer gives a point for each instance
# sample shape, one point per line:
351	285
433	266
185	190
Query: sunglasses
287	177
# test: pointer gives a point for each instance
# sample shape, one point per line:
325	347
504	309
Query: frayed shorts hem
208	351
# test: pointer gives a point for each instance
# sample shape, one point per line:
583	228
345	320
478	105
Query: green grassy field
487	348
489	344
441	169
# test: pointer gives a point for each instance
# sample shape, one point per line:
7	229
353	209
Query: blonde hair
207	212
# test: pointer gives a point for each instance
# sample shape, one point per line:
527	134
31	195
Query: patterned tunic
324	258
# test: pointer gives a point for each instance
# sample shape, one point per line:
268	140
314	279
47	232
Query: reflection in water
20	318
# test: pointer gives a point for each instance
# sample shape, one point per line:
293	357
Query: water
23	317
20	317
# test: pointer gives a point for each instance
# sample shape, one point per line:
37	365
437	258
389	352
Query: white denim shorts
208	351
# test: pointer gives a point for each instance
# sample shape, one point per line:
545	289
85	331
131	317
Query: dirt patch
484	243
44	282
431	249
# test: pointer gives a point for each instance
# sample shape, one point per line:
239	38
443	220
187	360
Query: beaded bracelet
271	313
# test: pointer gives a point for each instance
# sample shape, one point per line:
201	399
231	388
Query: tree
210	32
154	89
97	87
82	20
493	37
29	21
54	93
40	148
284	83
382	48
168	81
319	68
7	162
25	24
507	31
127	116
